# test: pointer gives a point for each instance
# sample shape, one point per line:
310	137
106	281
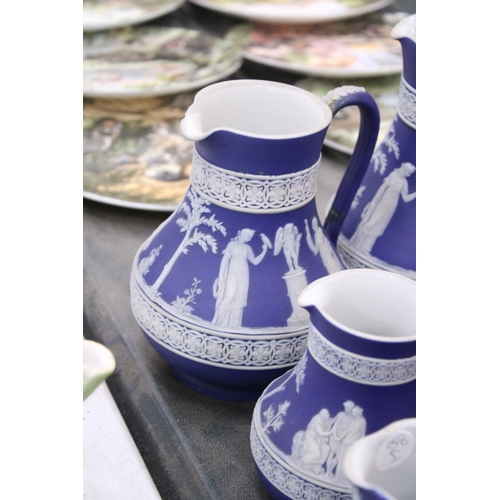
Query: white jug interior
255	108
367	302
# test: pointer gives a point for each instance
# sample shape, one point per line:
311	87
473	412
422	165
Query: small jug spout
98	364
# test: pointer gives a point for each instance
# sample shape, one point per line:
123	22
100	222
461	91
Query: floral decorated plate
108	14
293	11
150	61
353	48
343	131
134	154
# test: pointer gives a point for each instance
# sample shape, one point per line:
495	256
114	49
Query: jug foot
216	391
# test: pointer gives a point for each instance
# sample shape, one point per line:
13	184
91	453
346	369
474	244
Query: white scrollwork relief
290	484
211	348
370	371
253	193
407	104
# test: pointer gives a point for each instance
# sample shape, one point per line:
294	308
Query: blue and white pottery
379	230
358	374
383	465
215	287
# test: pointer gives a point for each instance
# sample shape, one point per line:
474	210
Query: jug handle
338	99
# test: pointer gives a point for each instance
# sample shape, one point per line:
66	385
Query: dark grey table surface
195	447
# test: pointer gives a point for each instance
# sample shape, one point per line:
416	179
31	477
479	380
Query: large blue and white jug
379	229
215	288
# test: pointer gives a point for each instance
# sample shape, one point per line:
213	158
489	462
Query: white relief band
253	193
361	369
292	485
215	349
407	104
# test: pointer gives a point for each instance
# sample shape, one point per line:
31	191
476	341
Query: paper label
395	449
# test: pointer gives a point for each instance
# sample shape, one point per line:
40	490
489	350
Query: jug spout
98	364
191	125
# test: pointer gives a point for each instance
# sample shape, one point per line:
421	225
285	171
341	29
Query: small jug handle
337	99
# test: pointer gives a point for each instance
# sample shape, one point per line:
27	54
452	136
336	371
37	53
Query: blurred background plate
343	131
152	61
108	14
354	48
293	11
134	154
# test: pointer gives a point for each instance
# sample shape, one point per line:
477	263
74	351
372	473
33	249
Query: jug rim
406	28
357	475
196	135
304	301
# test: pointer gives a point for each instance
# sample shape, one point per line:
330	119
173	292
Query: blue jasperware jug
215	287
379	230
358	375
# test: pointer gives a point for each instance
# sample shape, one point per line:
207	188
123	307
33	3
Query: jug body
379	231
215	287
382	465
358	374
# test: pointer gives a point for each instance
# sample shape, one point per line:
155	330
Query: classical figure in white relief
231	287
351	427
310	447
320	449
288	238
379	211
318	243
341	423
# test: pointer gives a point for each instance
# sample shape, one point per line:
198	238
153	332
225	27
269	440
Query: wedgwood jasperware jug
358	374
379	230
383	465
215	287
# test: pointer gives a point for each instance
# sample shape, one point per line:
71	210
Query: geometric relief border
253	193
284	480
361	369
211	348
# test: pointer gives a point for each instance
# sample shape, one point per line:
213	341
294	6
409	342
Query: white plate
360	47
154	61
292	11
134	154
109	14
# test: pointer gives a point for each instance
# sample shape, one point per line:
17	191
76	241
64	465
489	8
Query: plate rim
323	72
137	205
149	16
159	91
350	13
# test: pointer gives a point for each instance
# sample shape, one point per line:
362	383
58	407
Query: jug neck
258	156
251	193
